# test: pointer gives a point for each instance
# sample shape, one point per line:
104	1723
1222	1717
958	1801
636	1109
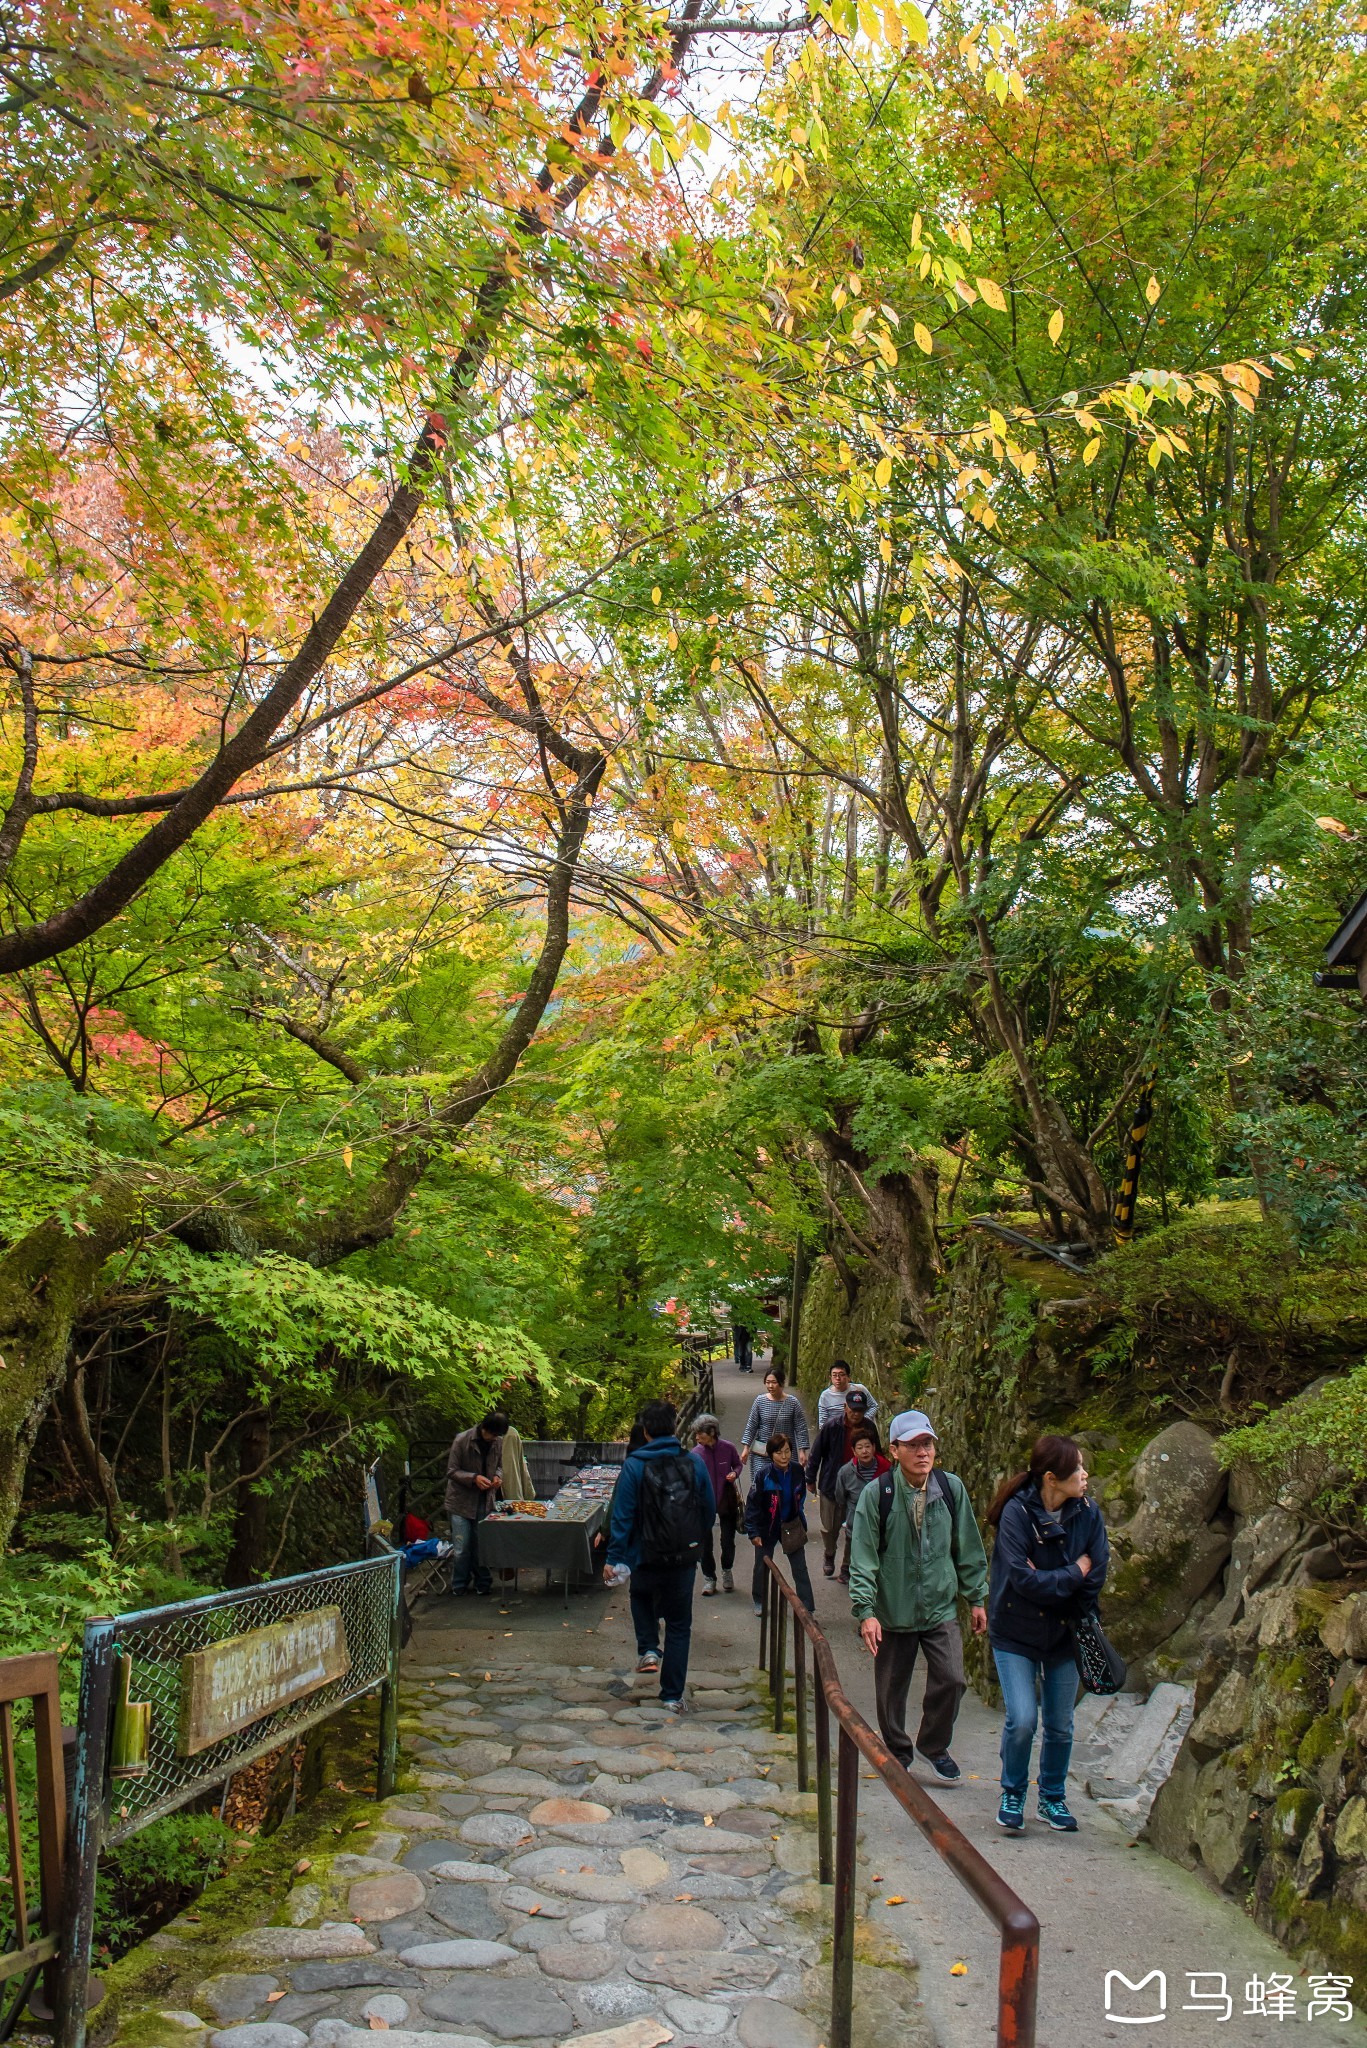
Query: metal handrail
1018	1972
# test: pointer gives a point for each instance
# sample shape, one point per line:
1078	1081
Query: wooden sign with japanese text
231	1684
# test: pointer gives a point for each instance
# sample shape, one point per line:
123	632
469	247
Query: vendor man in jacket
474	1474
915	1552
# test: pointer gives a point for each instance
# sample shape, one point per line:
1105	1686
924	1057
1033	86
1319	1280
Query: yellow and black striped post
1122	1214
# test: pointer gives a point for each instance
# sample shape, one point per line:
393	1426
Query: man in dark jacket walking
834	1447
662	1511
473	1476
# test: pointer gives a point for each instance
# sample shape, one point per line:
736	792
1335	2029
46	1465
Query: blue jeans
665	1594
1028	1683
465	1562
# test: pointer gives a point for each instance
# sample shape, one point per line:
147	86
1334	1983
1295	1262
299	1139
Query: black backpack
937	1483
670	1512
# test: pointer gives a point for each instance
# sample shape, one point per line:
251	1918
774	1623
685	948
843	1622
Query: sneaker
758	1608
672	1707
828	1567
709	1587
945	1768
650	1661
1011	1812
728	1583
1055	1812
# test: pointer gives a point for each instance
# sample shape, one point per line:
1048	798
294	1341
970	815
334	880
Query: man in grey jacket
474	1472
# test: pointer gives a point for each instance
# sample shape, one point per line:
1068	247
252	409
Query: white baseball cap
911	1422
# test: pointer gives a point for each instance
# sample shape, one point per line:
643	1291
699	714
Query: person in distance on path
720	1460
775	1502
1048	1567
833	1449
662	1511
775	1412
915	1552
831	1401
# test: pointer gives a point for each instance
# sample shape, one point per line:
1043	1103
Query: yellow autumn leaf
895	1899
1055	326
1152	290
655	594
914	22
993	294
958	1969
716	663
1335	825
882	476
998	423
907	615
1090	451
671	638
923	338
347	1156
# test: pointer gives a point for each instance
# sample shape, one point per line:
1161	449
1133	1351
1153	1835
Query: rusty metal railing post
766	1606
825	1860
1018	1981
780	1660
804	1773
846	1836
85	1831
387	1763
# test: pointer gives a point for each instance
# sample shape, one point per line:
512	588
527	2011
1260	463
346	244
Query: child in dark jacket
1048	1566
777	1496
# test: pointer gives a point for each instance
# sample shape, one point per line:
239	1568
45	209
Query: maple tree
828	670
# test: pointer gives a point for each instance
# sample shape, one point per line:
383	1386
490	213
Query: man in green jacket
915	1552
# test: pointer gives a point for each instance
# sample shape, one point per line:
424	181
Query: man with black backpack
915	1552
662	1510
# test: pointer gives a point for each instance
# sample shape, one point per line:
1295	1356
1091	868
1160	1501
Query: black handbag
793	1535
1100	1665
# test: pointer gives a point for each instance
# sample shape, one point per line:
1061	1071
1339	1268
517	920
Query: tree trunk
248	1553
46	1281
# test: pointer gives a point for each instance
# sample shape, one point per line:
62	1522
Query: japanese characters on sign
233	1683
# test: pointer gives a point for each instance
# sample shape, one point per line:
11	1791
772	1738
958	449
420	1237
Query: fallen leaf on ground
377	2025
271	1996
958	1969
894	1899
304	1863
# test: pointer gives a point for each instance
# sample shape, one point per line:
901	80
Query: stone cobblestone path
570	1863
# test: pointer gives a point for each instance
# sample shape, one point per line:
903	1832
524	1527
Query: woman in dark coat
777	1496
1048	1567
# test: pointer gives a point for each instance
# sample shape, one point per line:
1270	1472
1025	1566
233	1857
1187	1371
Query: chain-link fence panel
288	1654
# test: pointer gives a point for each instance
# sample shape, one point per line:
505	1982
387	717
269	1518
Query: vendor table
559	1542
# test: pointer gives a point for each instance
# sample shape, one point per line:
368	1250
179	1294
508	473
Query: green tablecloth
533	1543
